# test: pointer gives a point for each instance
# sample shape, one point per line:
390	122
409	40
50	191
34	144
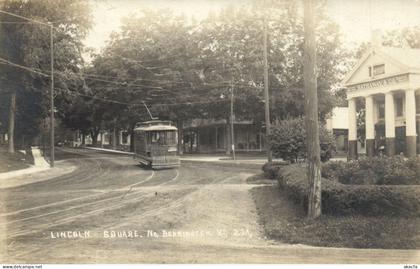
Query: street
110	210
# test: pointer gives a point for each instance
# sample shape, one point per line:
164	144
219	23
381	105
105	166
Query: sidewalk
40	171
39	165
220	158
204	158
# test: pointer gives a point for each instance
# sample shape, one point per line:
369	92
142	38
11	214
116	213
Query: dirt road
109	210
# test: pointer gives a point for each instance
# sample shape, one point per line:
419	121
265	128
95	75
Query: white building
338	124
388	81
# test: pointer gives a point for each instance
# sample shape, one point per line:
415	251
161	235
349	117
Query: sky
356	18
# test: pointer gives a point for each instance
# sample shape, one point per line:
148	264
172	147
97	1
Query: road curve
109	210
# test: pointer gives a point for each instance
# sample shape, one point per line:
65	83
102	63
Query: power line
125	83
92	77
141	104
15	22
25	18
4	61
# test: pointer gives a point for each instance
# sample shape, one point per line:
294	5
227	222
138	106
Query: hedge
379	171
341	199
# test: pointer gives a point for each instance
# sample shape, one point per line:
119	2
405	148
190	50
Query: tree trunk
94	133
228	137
132	139
12	114
83	139
180	138
311	111
114	137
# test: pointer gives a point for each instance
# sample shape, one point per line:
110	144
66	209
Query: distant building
212	136
338	124
387	80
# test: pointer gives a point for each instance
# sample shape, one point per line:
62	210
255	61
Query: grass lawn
286	222
10	162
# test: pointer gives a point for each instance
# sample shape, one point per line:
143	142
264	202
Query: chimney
377	38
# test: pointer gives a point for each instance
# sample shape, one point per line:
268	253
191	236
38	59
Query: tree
27	44
311	112
288	140
185	69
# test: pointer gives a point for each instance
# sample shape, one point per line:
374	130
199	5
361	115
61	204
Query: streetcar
156	144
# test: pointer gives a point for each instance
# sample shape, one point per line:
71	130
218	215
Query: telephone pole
52	156
232	119
311	112
266	95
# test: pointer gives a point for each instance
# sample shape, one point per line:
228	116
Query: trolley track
123	199
21	221
69	216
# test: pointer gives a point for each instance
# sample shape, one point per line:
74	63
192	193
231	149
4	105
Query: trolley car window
163	137
171	138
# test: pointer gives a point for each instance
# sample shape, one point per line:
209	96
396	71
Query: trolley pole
232	119
266	95
52	157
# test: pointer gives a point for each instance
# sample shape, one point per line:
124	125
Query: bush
381	171
288	140
341	199
272	170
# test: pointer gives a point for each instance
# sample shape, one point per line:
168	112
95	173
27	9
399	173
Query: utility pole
266	95
52	157
311	112
11	131
232	119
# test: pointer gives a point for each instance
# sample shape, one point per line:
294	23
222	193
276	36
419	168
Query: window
164	137
378	69
399	107
370	71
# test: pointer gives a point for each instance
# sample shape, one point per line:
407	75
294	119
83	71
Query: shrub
288	140
368	171
272	170
341	199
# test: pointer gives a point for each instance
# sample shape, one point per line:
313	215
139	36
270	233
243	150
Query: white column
410	113
102	135
352	120
410	123
370	125
120	140
389	115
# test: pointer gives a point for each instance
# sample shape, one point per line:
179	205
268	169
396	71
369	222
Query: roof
407	56
155	125
156	128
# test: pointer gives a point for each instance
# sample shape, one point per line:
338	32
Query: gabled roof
407	58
